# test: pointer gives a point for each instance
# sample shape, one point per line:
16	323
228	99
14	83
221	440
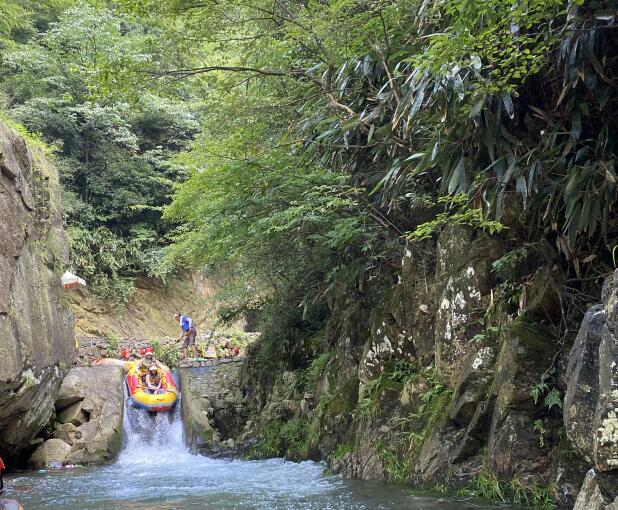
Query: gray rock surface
590	496
92	401
73	414
463	280
591	400
210	407
36	327
50	452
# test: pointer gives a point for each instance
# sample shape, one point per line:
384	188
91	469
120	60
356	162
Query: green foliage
317	369
340	402
506	266
549	393
342	450
369	401
398	469
487	486
34	140
290	440
402	371
458	213
539	427
113	346
61	76
412	429
102	258
167	354
335	131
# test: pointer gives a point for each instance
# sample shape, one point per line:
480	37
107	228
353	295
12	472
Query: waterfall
151	435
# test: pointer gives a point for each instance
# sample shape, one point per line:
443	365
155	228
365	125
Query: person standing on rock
188	334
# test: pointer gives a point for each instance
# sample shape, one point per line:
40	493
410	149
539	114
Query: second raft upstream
154	402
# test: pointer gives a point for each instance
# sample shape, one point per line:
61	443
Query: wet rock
50	452
513	445
583	383
435	457
304	407
99	394
364	464
36	327
472	386
288	378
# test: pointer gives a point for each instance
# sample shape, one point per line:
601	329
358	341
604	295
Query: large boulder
591	401
90	408
52	451
36	326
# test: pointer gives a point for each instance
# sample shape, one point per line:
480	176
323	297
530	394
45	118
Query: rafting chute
159	401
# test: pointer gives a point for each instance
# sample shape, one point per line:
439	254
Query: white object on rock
71	281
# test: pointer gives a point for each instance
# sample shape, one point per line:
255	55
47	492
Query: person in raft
188	333
154	379
144	365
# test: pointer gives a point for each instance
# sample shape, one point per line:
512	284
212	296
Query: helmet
149	354
153	367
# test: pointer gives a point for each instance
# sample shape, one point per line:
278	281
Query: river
157	473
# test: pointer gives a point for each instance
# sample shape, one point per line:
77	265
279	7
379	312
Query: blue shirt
186	323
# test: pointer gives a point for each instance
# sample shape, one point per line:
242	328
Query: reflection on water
159	474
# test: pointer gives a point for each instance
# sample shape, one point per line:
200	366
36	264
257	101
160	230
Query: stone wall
36	326
211	407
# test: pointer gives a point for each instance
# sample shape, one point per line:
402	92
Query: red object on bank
2	464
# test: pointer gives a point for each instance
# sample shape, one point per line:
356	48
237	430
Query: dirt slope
150	311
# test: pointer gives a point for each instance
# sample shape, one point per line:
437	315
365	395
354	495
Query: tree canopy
308	142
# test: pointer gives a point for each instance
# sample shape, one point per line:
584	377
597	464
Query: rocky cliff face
453	382
591	401
36	327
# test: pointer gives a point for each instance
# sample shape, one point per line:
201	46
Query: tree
114	146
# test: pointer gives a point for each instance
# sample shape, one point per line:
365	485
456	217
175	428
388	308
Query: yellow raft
163	400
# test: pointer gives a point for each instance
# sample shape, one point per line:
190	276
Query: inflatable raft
154	402
102	362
